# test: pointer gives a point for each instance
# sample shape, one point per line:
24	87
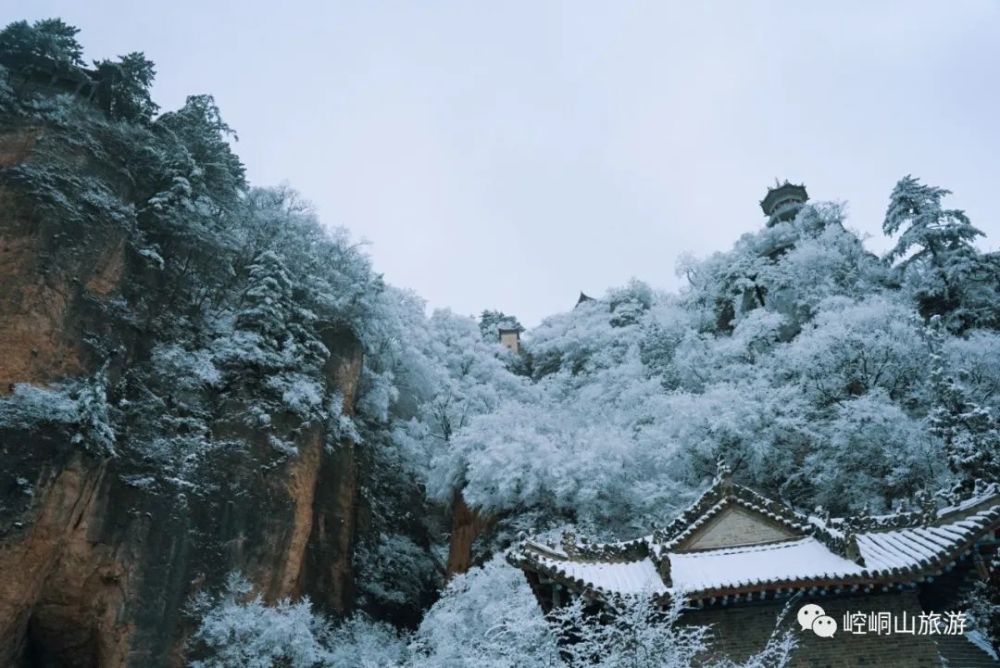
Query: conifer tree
49	39
273	327
129	80
935	252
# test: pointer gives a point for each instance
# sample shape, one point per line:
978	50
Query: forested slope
206	395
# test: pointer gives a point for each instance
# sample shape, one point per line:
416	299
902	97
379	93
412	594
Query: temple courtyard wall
740	631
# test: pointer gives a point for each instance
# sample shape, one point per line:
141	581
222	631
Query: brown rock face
96	573
95	569
466	526
335	507
44	312
49	595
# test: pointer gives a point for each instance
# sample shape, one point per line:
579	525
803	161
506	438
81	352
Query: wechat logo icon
813	617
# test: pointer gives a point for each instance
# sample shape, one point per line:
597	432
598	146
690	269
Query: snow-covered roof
973	502
740	567
629	577
815	556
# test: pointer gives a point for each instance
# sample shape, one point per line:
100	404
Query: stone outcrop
467	525
95	568
45	310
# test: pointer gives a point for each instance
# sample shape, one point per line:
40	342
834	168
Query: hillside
223	435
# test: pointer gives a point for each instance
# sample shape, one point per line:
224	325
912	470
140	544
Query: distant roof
780	192
584	298
816	552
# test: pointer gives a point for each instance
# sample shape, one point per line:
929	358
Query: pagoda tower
783	202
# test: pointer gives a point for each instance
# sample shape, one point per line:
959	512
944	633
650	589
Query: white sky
508	155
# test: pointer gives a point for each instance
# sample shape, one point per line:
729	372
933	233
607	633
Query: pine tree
274	327
129	79
48	39
273	356
199	126
916	210
935	251
267	299
95	431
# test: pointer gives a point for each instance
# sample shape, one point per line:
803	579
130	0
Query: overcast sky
508	155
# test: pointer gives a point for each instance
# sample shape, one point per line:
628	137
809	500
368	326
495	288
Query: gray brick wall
741	631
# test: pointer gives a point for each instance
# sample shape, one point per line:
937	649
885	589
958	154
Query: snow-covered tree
637	632
47	39
631	632
272	351
796	354
238	629
970	432
491	322
935	256
487	616
927	230
129	80
466	377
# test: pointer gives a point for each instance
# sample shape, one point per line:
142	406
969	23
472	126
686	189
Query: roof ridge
743	549
982	501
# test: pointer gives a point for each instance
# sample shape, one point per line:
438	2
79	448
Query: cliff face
96	566
46	309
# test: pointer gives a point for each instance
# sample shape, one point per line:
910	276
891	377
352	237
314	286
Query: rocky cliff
98	555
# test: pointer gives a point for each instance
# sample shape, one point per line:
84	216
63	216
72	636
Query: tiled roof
876	556
775	193
629	577
919	549
740	567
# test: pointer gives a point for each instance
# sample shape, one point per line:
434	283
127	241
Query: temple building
738	558
510	337
783	202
